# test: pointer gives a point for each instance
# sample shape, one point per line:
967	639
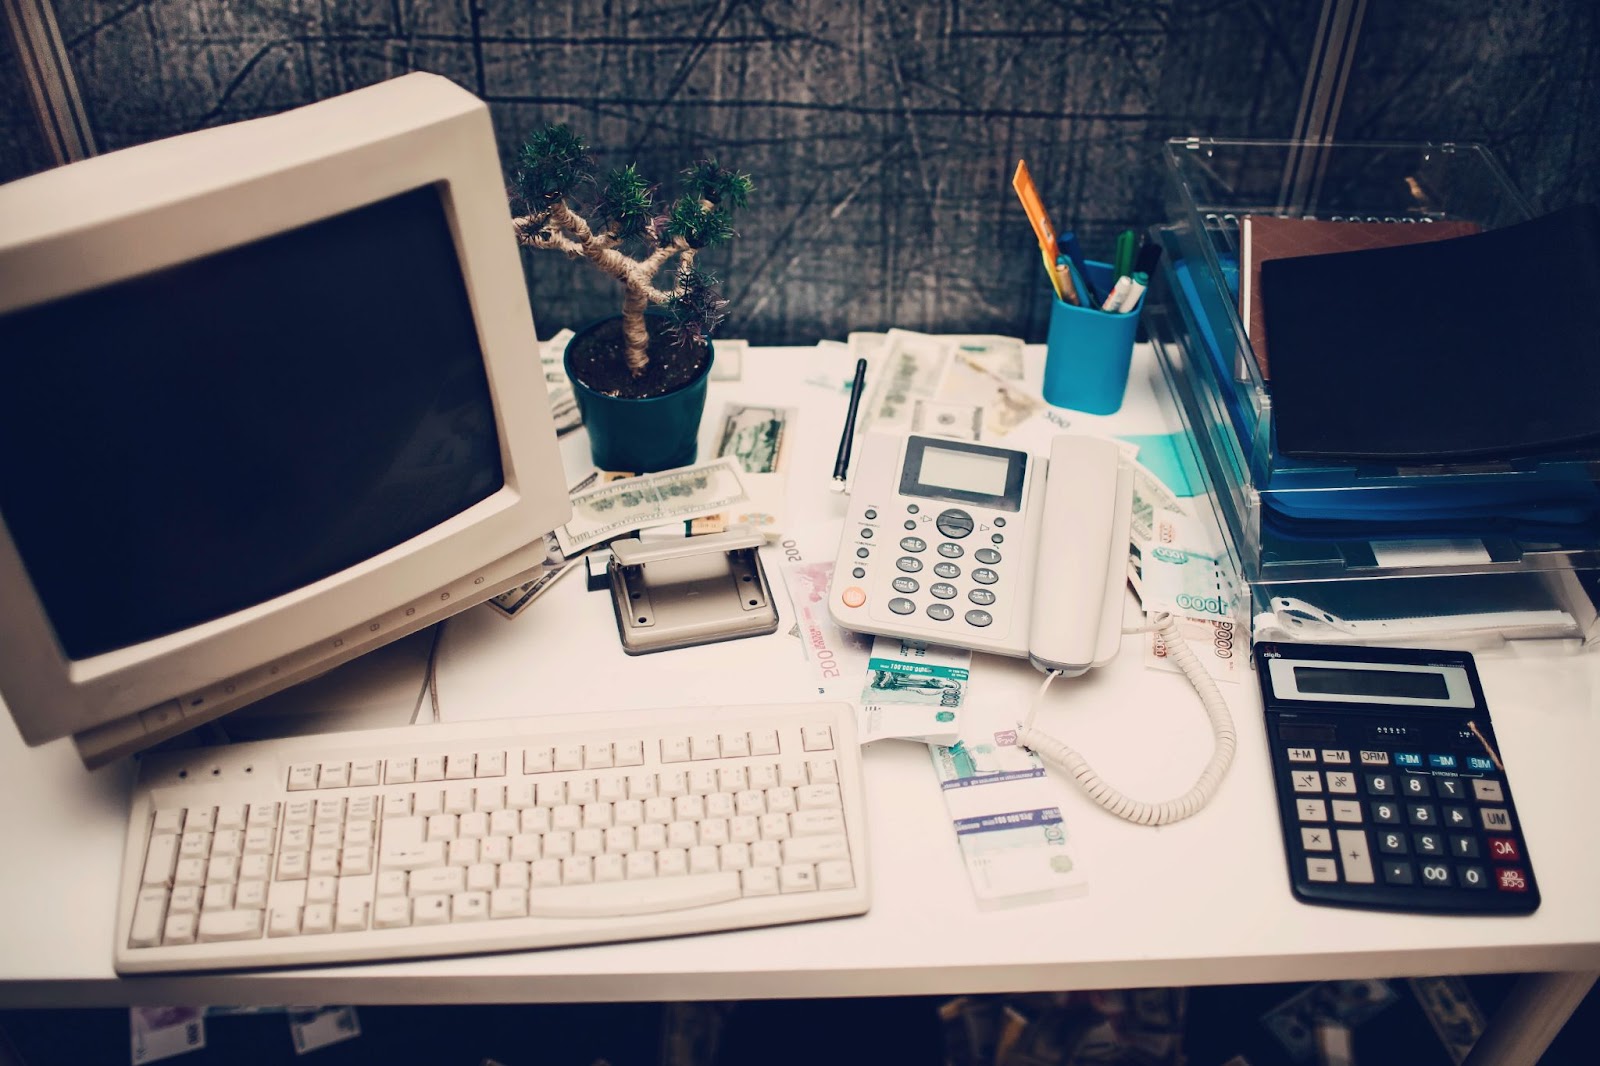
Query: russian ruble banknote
1216	643
607	511
563	402
913	691
838	657
1011	834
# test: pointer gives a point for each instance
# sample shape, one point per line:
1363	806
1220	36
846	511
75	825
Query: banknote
316	1027
1216	643
1011	835
910	366
554	564
563	403
758	438
913	691
156	1033
1451	1010
947	418
607	511
756	435
1294	1021
1001	356
838	657
1184	571
1149	497
727	360
1006	405
513	601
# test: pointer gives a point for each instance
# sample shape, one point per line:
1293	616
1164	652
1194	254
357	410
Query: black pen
841	465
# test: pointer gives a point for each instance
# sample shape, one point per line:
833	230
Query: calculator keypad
1403	830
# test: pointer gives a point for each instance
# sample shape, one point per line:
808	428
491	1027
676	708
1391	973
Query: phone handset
1081	561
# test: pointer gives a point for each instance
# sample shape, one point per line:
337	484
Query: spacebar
647	896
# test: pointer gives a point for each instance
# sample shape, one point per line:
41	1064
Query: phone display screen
964	471
961	472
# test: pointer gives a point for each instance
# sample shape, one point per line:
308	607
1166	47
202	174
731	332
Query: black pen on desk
841	465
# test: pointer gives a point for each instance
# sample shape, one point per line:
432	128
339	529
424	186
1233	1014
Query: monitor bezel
145	208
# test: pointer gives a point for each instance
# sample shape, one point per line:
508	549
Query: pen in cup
1069	291
1069	244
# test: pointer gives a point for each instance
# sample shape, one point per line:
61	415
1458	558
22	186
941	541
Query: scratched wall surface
1522	78
881	134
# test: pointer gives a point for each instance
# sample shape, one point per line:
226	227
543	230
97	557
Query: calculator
1391	791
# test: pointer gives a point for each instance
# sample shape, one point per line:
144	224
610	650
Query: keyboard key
229	925
794	877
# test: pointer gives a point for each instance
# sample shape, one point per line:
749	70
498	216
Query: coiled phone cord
1063	758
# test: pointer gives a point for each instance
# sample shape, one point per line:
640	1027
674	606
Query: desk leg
1538	1006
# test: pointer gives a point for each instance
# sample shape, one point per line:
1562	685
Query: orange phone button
853	596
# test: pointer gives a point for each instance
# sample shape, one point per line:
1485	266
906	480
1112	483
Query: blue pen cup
1088	350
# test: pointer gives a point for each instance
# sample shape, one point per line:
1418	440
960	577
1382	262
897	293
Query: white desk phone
988	548
996	550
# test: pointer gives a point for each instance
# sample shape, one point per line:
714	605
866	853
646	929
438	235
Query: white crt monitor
270	397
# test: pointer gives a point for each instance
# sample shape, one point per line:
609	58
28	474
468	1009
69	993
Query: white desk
1205	901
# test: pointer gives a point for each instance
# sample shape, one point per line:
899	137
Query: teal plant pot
640	436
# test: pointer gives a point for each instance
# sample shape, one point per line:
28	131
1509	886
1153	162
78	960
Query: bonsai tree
555	170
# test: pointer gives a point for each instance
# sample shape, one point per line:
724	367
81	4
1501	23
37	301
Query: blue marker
1069	241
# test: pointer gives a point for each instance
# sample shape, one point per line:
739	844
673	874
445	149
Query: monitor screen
269	399
206	437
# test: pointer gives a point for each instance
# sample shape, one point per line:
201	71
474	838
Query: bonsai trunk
633	330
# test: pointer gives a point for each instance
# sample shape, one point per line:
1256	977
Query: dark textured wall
882	135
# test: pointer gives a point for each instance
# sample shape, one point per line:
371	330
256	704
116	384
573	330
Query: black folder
1486	346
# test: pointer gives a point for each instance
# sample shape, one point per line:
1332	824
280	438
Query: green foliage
627	203
699	227
718	185
552	163
698	309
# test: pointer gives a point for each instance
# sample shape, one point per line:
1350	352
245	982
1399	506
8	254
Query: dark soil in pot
601	363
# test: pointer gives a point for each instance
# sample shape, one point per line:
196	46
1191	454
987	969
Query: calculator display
1343	681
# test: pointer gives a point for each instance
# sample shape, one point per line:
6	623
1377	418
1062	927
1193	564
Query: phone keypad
949	563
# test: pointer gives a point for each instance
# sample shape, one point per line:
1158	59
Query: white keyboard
472	837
